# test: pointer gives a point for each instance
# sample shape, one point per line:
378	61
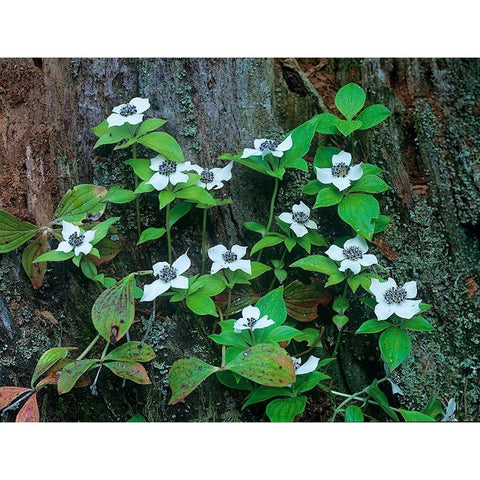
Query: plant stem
169	237
137	199
272	211
274	277
204	240
229	303
337	343
360	399
84	353
93	387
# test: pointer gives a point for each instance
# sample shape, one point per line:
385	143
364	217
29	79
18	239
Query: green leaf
201	305
335	279
138	418
178	211
35	271
411	416
150	125
268	241
110	135
340	321
308	381
14	232
346	127
165	197
273	305
114	310
101	229
195	193
80	201
417	324
363	279
229	338
395	346
280	274
232	380
350	100
323	156
88	268
151	234
261	394
129	370
48	360
328	196
186	375
369	184
141	167
210	285
373	115
309	335
317	263
377	395
132	352
286	409
282	333
326	124
72	372
255	227
353	414
374	326
289	243
381	223
119	195
144	187
54	256
313	187
369	169
360	212
340	304
424	307
258	269
164	144
264	363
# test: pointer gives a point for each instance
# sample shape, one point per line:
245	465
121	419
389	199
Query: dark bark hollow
429	149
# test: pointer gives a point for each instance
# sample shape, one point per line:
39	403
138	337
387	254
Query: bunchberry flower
231	259
299	219
168	276
392	299
167	171
251	320
353	255
309	366
213	177
75	239
131	112
341	173
263	147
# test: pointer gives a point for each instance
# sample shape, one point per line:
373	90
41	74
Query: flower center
269	144
300	217
167	273
229	257
167	167
395	295
296	363
127	110
353	253
207	176
75	240
340	170
251	322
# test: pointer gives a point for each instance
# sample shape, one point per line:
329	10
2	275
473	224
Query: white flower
340	174
75	239
299	219
167	172
231	259
131	112
264	146
352	255
309	366
251	320
168	276
392	299
213	177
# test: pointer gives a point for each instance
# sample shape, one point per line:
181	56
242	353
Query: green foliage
14	232
286	409
48	360
395	346
151	234
353	414
80	201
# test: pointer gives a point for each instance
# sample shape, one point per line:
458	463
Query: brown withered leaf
385	249
29	412
302	300
471	286
47	316
9	394
109	247
35	271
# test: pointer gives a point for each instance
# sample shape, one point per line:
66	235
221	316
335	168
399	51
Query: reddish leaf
35	271
302	300
29	412
9	394
131	371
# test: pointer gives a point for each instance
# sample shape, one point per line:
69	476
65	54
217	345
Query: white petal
216	253
258	142
368	260
116	120
158	181
184	167
157	162
158	267
180	282
286	217
335	253
286	144
309	366
244	265
182	264
311	224
359	242
275	153
239	251
251	312
411	289
69	229
153	290
89	235
197	168
215	185
118	108
178	177
264	322
353	265
355	172
217	266
250	152
301	207
141	104
341	182
134	119
324	175
225	173
383	310
408	308
239	325
64	247
342	157
299	229
379	288
85	248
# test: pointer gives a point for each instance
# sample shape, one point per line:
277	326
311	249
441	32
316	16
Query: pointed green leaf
286	409
353	414
80	201
395	346
132	352
373	115
377	395
369	184
130	370
48	359
72	372
268	241
411	416
141	167
374	326
346	127
360	211
178	211
350	100
317	263
261	394
164	144
201	305
14	232
417	324
119	195
326	124
328	196
151	234
150	125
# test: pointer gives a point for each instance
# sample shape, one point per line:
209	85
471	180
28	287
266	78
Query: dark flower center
229	257
340	170
127	110
353	253
270	144
395	295
300	217
207	176
296	363
167	167
251	322
75	240
167	273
